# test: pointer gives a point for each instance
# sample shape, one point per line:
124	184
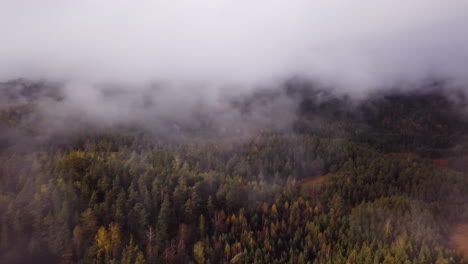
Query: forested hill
380	180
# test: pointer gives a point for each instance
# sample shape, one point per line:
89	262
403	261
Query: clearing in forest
459	238
312	181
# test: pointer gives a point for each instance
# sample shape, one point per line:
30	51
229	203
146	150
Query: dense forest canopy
379	180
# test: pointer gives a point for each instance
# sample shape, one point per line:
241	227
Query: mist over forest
234	131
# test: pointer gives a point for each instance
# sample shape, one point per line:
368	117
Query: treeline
107	201
342	187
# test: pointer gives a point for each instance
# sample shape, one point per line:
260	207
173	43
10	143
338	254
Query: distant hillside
379	180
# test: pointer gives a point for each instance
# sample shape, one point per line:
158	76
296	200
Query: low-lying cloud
184	53
361	44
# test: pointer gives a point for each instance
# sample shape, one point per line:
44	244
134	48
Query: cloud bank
118	58
360	44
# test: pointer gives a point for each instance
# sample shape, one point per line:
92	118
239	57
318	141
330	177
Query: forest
382	180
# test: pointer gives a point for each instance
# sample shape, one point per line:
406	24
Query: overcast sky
356	45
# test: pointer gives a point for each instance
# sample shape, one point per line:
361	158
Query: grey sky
359	44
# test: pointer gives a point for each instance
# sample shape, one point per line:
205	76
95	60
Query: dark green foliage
125	197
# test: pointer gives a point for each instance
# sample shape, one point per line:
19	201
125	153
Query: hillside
376	181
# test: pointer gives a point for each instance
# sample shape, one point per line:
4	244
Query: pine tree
163	221
199	252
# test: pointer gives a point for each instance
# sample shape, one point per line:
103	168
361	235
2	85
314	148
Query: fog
178	54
